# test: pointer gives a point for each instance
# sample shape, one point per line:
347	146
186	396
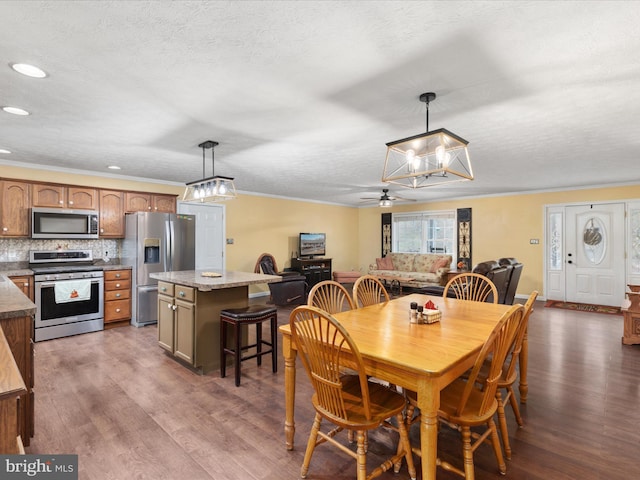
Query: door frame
552	284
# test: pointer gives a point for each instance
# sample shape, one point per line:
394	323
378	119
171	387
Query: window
424	232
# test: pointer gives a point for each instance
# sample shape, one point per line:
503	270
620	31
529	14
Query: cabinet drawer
185	293
117	310
165	288
117	295
117	275
117	285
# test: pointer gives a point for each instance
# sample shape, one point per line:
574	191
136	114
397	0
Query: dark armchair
514	279
291	290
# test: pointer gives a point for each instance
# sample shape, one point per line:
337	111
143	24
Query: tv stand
314	269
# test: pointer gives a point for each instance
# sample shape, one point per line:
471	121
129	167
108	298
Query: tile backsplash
17	249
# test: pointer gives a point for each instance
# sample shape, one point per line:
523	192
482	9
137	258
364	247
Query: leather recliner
498	274
514	278
291	290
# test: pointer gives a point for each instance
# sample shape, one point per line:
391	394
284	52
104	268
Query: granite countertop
228	279
18	269
13	303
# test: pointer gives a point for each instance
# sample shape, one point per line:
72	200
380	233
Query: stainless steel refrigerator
155	242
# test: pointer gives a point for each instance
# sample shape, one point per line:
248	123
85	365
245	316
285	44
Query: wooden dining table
424	358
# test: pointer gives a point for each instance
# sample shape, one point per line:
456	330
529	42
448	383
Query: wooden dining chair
472	286
509	376
349	402
470	401
331	297
368	290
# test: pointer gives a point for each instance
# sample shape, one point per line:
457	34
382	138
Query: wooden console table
631	332
316	270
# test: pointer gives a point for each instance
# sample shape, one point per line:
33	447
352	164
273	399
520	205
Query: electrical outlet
534	241
229	241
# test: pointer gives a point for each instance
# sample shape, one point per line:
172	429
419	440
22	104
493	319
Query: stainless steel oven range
69	293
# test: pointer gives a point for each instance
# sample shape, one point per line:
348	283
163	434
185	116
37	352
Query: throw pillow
443	262
384	263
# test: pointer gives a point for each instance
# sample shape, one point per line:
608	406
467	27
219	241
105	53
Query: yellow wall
501	226
263	224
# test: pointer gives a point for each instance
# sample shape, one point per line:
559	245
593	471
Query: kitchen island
16	364
189	304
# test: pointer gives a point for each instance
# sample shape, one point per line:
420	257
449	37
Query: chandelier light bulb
222	189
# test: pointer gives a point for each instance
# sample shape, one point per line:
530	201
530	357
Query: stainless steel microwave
63	223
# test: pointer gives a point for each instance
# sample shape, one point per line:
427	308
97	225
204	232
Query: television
312	245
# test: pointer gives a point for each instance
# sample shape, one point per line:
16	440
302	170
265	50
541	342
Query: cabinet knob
117	275
117	295
61	202
174	307
102	230
164	289
169	306
117	285
117	310
70	202
181	293
26	284
4	229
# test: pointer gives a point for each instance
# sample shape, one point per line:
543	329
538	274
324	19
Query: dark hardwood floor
129	411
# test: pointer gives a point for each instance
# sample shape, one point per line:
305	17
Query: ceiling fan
385	200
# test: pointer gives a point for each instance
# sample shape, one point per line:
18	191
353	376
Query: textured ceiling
303	96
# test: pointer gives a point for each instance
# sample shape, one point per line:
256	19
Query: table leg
524	360
429	402
289	390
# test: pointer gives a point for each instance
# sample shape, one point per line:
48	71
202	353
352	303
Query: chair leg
259	342
514	406
502	420
238	352
274	343
311	445
223	345
361	456
403	430
495	441
467	454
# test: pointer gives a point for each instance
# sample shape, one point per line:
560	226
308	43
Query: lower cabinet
189	322
117	296
24	283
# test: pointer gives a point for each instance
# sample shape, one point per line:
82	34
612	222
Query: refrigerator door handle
172	246
167	246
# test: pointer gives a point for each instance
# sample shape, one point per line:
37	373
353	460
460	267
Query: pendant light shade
428	159
211	189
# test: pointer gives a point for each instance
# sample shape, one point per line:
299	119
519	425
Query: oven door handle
52	284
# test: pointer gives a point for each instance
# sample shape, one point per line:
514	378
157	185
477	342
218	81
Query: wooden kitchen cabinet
25	283
17	331
15	200
176	320
117	296
149	202
111	214
61	196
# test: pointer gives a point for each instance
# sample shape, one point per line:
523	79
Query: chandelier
212	189
428	159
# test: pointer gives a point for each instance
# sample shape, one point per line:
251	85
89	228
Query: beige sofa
426	269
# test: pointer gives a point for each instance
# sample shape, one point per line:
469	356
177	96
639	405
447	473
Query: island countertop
228	279
13	303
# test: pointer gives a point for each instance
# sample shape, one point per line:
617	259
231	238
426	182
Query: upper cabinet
14	208
149	202
111	214
60	196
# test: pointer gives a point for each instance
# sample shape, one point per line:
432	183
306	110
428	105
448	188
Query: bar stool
251	315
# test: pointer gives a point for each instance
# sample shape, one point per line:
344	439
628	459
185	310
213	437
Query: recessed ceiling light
15	110
28	70
113	167
4	150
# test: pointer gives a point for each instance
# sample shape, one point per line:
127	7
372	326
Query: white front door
210	234
594	258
